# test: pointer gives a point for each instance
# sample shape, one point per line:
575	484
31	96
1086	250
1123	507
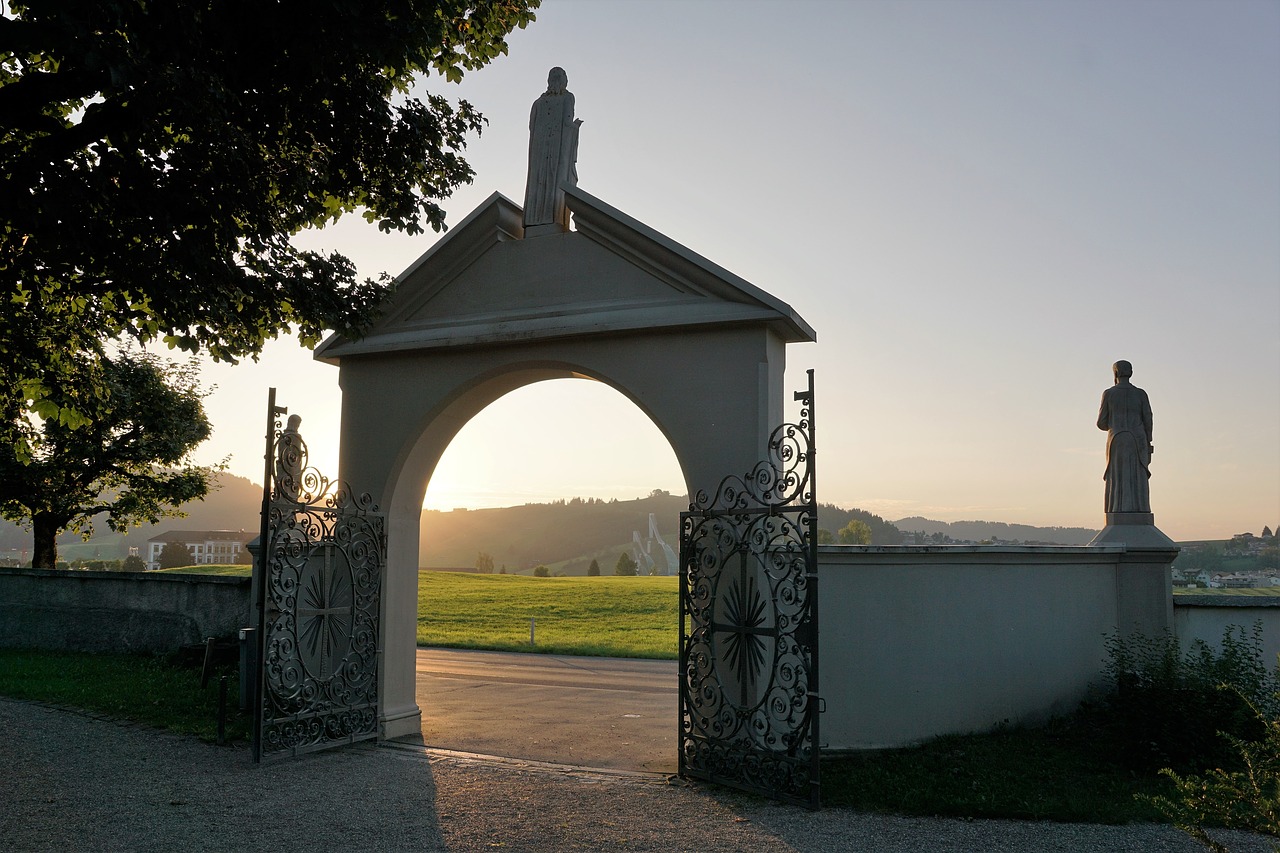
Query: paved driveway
593	712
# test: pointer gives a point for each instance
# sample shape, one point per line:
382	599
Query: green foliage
825	537
130	459
484	563
1169	705
174	555
156	159
1248	798
626	566
133	563
541	572
855	533
593	570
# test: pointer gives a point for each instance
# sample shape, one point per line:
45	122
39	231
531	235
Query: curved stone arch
417	463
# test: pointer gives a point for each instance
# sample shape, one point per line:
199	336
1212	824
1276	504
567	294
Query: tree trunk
45	552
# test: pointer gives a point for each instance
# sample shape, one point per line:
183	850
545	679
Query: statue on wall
553	154
1126	416
290	452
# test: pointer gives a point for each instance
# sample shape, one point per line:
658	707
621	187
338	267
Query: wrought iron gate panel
749	624
318	588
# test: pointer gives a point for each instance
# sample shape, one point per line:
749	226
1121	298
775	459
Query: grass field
227	571
604	616
1260	590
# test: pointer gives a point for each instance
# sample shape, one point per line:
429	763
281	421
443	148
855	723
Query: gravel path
75	782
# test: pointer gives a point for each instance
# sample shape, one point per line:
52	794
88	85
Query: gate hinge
822	702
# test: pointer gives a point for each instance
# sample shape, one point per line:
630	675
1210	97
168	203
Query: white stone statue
1126	416
553	154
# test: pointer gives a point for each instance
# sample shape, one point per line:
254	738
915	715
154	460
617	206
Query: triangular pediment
485	283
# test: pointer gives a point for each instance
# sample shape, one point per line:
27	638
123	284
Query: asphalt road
612	713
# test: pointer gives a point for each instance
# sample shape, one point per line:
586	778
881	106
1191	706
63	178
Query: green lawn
604	616
229	571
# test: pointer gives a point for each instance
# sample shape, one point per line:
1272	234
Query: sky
979	206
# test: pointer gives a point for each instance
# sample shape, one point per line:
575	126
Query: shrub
541	571
1247	799
133	563
1168	706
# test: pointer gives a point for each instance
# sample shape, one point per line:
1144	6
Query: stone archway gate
491	308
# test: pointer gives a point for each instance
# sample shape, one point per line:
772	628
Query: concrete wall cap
1192	600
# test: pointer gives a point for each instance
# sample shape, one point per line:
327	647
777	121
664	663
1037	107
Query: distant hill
977	531
564	535
833	518
521	537
233	506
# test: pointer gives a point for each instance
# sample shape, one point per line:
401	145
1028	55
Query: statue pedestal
1134	530
1144	591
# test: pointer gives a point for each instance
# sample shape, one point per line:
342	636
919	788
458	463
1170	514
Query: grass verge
1065	771
144	689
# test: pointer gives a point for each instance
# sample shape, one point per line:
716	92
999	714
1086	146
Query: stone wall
117	611
918	642
1205	617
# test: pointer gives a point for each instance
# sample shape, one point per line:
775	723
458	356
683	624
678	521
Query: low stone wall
918	642
117	611
1206	617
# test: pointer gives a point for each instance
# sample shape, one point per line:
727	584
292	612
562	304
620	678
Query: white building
207	547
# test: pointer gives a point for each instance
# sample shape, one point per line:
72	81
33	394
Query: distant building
207	547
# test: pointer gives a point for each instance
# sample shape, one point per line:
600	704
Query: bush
1247	799
541	572
1169	706
133	563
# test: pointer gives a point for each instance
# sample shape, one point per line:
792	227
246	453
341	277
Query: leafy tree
855	533
133	563
593	570
131	461
173	555
825	537
484	563
156	158
626	567
541	572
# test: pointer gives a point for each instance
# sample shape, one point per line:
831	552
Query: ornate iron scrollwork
319	581
748	624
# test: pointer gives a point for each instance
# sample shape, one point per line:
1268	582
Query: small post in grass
222	710
532	628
